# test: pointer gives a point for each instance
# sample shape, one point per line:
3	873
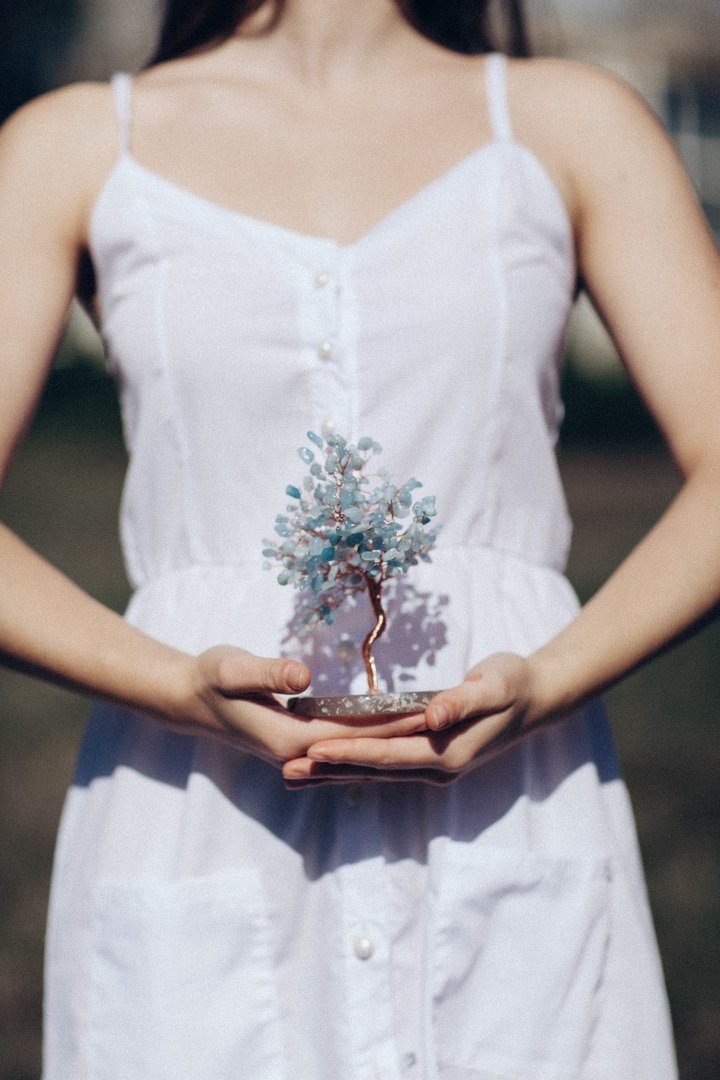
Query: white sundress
205	923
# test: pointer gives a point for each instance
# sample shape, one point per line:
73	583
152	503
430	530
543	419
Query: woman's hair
462	25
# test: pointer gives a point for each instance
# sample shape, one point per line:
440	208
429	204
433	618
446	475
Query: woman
358	218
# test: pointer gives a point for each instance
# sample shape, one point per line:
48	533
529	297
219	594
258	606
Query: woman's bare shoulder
593	122
589	95
55	150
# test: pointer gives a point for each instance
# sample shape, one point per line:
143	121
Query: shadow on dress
312	821
416	632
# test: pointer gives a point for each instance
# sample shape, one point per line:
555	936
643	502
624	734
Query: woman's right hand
229	694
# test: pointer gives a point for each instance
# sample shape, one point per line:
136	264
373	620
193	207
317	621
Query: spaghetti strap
121	83
496	84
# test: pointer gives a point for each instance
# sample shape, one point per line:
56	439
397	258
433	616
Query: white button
321	279
363	947
352	794
327	427
324	350
408	1060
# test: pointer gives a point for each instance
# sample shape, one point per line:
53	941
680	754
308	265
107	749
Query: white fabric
207	924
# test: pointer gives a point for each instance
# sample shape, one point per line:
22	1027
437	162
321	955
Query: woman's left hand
492	709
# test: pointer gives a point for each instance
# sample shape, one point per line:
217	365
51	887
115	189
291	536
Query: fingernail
295	676
295	772
439	716
318	755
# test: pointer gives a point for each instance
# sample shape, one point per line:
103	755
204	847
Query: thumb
239	670
487	689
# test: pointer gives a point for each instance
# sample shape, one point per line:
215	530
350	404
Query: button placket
326	301
365	922
349	333
322	304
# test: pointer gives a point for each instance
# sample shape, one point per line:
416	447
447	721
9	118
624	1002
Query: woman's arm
652	269
48	625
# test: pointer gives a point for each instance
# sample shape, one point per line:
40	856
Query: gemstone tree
342	536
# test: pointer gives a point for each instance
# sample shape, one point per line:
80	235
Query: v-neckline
180	201
211	210
229	214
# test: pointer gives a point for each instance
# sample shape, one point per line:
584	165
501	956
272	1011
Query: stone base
410	701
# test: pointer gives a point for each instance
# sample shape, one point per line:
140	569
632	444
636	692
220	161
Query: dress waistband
472	553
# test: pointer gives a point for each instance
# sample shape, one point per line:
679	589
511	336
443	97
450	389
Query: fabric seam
160	284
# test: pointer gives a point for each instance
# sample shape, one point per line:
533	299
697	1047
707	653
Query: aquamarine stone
292	491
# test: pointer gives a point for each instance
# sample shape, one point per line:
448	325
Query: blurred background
64	486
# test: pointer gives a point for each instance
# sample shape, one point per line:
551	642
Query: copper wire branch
375	593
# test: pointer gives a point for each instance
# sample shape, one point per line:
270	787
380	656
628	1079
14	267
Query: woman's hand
495	706
229	693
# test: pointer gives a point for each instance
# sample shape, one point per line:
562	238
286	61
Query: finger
382	726
448	751
239	670
472	747
306	769
410	752
482	694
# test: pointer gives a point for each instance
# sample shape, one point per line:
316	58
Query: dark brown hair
465	26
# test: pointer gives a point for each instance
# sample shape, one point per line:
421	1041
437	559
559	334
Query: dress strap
496	85
121	83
